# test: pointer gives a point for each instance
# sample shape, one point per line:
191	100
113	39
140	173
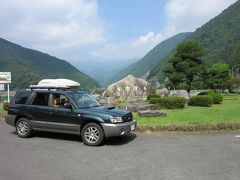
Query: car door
64	119
40	110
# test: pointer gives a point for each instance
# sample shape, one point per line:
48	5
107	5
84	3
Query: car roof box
57	84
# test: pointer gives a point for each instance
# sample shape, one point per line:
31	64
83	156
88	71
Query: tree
233	84
216	76
185	67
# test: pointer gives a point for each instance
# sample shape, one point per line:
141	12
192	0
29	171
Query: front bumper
10	119
118	129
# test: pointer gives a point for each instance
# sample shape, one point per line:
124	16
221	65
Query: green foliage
153	96
171	102
201	100
5	106
151	59
155	100
185	67
217	97
233	84
219	37
216	76
29	66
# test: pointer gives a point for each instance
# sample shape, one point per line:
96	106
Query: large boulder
129	88
162	92
179	93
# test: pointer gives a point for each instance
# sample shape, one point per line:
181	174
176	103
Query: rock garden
172	110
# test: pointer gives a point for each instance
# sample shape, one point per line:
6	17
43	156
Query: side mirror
68	105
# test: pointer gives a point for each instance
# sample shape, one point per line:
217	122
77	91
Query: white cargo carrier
56	83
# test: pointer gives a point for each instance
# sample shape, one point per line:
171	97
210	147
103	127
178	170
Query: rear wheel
92	134
23	128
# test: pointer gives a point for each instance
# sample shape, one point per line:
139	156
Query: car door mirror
68	105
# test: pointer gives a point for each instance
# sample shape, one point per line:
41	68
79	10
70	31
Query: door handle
52	111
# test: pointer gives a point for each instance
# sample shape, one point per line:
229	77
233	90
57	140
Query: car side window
41	99
59	100
22	97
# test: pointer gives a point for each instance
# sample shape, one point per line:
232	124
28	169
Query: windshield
83	100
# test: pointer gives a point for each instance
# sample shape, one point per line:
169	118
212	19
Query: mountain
29	66
142	67
103	72
219	37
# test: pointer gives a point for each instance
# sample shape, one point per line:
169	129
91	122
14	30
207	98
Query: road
48	156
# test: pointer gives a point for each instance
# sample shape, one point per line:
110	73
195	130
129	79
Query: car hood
112	111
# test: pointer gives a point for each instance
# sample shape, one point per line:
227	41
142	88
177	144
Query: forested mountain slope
152	58
29	66
220	38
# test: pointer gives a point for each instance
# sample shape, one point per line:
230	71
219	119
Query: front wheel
92	134
23	128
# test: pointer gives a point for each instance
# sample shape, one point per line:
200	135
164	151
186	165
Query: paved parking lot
48	156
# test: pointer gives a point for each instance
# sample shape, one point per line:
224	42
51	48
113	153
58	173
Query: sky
101	30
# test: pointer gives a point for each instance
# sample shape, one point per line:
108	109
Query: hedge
217	97
201	100
152	96
171	102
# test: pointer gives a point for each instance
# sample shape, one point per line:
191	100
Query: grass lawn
228	111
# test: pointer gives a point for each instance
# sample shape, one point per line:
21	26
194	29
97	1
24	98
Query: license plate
132	127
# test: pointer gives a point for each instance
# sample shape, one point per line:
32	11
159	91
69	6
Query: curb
188	128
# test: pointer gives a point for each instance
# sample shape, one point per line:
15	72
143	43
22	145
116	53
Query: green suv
67	111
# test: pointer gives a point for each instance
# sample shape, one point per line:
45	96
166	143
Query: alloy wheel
22	128
92	134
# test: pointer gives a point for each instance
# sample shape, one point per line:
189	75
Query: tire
23	128
92	134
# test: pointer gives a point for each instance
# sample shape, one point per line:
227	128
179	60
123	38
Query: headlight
116	119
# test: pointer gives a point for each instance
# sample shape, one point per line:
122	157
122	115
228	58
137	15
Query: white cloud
185	15
74	30
181	16
52	26
131	49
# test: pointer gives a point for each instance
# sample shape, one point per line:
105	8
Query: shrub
155	100
217	97
201	100
171	102
5	106
152	96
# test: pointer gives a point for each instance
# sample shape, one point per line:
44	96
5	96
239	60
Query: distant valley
103	72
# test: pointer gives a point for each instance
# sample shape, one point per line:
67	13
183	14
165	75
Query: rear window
41	99
22	97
